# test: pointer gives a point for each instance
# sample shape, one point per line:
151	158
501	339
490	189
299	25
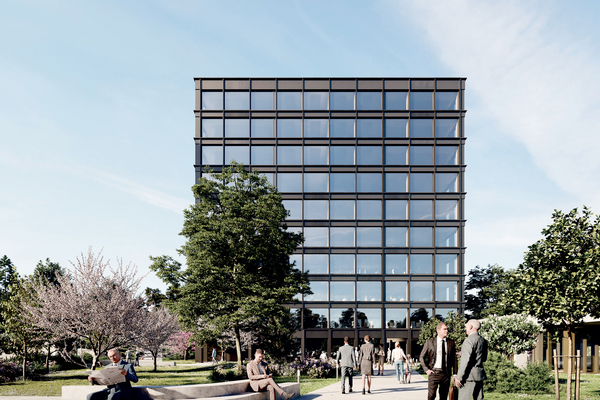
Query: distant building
372	171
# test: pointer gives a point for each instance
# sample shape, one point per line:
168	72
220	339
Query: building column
584	345
549	350
538	352
595	360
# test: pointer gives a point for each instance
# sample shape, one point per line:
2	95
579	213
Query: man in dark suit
120	391
470	375
346	354
438	359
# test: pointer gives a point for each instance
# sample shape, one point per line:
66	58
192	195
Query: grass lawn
182	374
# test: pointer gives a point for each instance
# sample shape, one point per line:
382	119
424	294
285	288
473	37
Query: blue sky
96	101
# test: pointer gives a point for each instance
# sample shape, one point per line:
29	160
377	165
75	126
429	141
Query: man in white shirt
438	359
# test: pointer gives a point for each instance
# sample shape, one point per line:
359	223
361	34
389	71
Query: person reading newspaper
117	377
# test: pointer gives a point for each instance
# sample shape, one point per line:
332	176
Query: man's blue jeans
399	365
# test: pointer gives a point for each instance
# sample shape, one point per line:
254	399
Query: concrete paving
383	387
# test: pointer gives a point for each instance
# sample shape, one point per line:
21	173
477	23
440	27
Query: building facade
372	172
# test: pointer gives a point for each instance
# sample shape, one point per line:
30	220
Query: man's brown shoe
288	396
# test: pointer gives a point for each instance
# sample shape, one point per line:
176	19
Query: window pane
395	100
368	182
289	182
442	313
396	291
296	258
421	182
421	128
396	127
261	155
342	100
446	100
212	100
342	209
445	291
342	291
262	100
368	264
341	128
395	209
261	127
294	207
342	237
368	317
368	209
395	155
315	182
446	155
240	154
269	176
212	155
315	155
421	236
421	291
395	182
342	155
237	128
315	263
342	318
316	318
289	128
446	236
446	127
369	291
212	128
446	263
289	100
368	128
341	263
395	236
446	209
316	209
419	316
237	100
342	182
368	101
446	182
421	264
421	155
395	317
396	264
289	155
368	155
315	127
421	100
421	209
368	237
315	100
319	290
316	237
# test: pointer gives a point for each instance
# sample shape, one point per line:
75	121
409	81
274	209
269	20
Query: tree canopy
456	328
237	250
488	285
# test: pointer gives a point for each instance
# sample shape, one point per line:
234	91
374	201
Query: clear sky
97	99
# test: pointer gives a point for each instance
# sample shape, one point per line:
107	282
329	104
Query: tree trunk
48	358
24	360
569	362
94	361
154	356
238	347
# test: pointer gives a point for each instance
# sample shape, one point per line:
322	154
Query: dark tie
444	356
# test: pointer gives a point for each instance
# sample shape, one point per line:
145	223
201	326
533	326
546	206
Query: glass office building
372	172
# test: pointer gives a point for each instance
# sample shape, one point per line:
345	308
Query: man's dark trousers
438	378
113	392
347	371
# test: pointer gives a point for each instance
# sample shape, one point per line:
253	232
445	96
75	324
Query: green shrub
220	374
537	378
504	376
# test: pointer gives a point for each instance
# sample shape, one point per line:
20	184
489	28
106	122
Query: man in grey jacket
470	375
346	353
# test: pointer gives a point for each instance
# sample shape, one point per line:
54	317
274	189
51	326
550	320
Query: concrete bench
235	390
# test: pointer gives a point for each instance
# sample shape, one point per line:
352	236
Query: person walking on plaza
261	378
380	361
438	359
347	364
398	358
407	369
473	353
366	358
214	355
389	355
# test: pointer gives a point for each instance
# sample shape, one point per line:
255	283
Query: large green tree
559	279
237	250
8	277
486	286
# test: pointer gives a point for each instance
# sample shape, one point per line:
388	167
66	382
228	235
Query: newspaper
107	376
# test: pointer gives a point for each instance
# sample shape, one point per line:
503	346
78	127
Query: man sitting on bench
260	378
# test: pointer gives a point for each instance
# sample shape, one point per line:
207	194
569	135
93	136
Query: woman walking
366	358
398	358
380	361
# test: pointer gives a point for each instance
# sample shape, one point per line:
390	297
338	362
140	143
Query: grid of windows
371	172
